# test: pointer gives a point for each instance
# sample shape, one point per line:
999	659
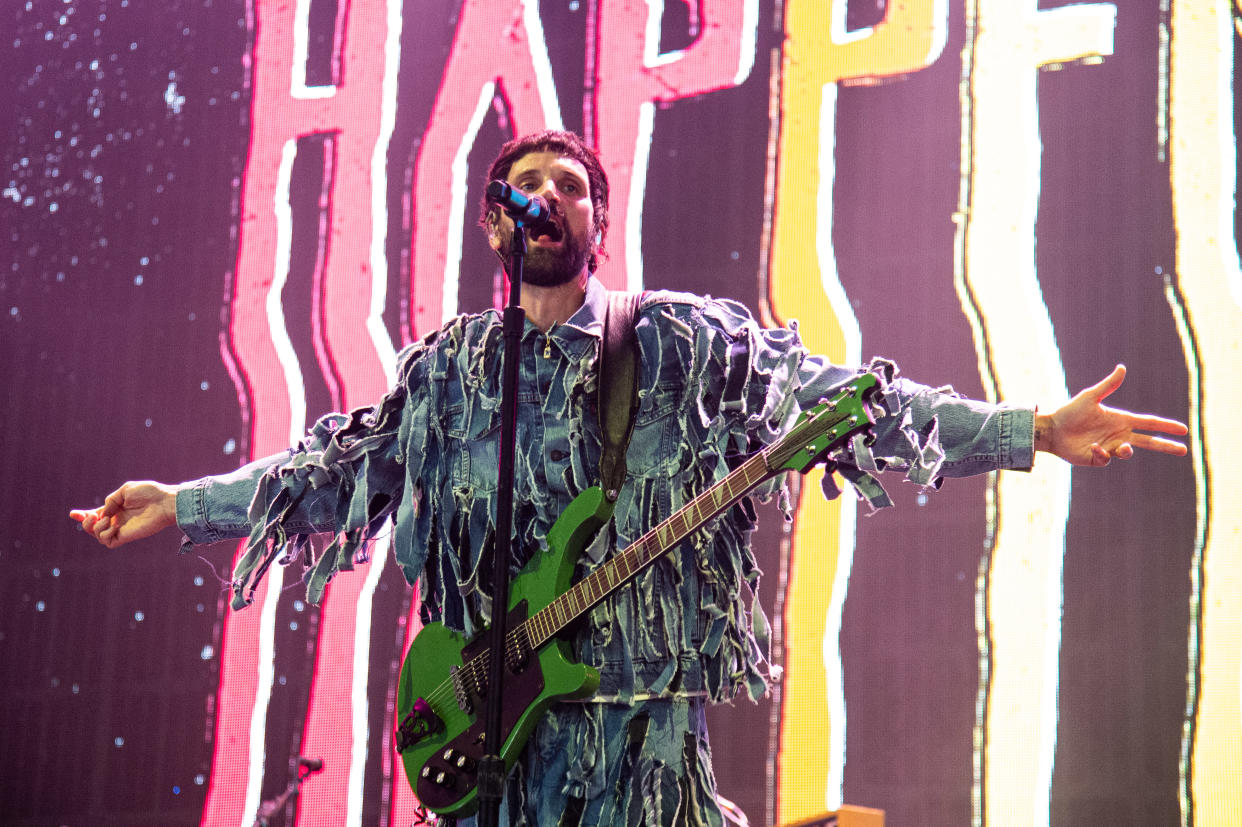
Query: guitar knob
457	759
445	780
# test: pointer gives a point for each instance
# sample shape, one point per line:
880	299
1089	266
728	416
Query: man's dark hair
571	146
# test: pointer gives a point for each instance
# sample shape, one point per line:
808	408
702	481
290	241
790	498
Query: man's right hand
133	511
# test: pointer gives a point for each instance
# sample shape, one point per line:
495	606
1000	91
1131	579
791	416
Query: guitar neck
817	431
644	551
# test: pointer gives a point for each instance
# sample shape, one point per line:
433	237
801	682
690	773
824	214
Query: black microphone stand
491	776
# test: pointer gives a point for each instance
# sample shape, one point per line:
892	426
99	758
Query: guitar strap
618	388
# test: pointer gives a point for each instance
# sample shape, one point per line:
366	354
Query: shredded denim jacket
713	385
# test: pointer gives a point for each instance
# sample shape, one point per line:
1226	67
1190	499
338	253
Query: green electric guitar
441	698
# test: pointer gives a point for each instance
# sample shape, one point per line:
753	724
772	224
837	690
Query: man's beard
554	266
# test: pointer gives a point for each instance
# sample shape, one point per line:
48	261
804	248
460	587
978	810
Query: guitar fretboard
646	550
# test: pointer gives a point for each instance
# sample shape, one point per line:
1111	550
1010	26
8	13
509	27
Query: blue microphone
529	210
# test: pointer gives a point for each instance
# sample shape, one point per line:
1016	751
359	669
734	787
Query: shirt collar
574	335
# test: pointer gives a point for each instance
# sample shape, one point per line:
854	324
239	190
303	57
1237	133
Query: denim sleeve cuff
197	522
1017	427
192	514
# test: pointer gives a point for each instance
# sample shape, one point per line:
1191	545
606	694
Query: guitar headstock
826	426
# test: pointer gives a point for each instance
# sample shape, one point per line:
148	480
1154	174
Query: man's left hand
1084	431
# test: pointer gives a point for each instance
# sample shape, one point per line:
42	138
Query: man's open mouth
551	231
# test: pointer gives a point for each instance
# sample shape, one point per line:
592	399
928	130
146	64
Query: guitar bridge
419	723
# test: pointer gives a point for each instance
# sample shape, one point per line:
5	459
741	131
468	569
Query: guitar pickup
465	687
518	654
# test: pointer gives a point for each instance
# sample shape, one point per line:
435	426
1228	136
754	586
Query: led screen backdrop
224	218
